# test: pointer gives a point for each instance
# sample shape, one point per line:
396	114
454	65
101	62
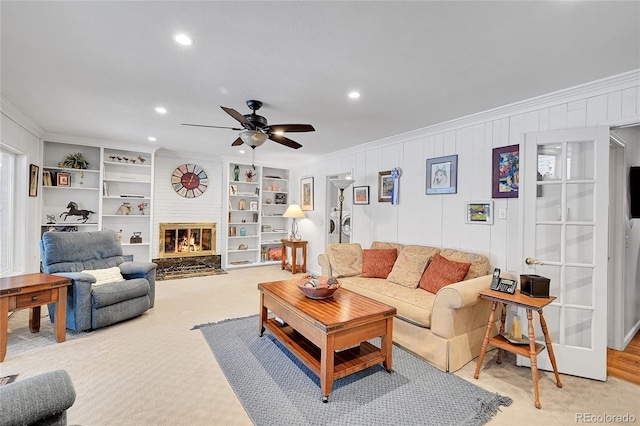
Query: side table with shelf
531	350
294	245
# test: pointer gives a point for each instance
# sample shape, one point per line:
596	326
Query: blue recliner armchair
91	306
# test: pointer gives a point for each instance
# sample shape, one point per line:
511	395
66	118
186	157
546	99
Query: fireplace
187	239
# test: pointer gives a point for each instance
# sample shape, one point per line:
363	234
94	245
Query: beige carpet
153	370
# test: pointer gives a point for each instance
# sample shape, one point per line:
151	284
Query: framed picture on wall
506	172
306	193
479	212
34	172
442	175
361	195
385	186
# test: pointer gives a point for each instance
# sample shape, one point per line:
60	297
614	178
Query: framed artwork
361	195
63	179
232	231
253	205
281	198
233	189
34	172
306	193
442	175
385	186
506	172
479	212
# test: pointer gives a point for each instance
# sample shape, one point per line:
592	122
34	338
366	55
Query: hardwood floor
625	364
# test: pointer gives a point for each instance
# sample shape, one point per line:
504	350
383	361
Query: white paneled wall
439	220
168	206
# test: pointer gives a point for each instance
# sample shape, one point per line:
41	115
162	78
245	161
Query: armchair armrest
325	266
37	398
136	269
458	307
147	270
78	300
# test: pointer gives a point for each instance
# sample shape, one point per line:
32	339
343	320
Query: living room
610	99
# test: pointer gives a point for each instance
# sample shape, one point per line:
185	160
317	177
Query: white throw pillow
105	276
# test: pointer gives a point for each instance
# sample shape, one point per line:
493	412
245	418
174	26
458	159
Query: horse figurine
74	211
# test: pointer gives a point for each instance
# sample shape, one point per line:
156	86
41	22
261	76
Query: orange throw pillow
442	272
378	263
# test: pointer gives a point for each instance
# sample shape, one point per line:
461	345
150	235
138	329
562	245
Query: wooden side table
533	349
294	245
33	291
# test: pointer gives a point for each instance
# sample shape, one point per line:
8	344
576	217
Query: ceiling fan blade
215	127
241	118
291	128
285	141
237	142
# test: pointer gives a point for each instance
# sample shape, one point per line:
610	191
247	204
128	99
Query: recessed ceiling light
354	95
241	151
151	139
183	39
161	110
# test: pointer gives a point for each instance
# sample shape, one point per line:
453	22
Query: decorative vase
243	232
249	179
236	173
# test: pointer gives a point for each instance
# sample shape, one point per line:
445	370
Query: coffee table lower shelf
347	361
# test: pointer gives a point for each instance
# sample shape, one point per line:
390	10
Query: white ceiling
98	69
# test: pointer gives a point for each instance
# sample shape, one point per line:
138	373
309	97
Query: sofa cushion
408	269
105	276
378	263
426	250
412	304
479	263
385	245
345	259
442	272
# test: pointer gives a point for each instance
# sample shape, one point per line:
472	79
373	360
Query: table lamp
294	211
341	184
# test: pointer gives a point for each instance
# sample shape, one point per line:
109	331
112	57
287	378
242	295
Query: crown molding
599	87
106	143
15	114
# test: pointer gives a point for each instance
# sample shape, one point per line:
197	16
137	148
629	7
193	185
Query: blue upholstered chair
38	400
90	304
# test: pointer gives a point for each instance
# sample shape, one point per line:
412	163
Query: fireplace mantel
187	239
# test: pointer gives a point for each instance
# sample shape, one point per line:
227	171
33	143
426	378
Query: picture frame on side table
506	172
306	193
63	179
361	195
385	186
34	172
479	212
442	175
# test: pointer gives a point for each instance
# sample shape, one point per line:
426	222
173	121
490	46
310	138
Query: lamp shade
341	183
253	138
294	211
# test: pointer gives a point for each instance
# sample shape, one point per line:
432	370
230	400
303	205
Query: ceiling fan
256	130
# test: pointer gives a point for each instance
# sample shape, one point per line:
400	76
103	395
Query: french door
564	190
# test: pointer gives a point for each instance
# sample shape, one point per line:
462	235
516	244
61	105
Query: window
7	191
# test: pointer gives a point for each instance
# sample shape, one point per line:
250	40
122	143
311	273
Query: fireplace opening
187	239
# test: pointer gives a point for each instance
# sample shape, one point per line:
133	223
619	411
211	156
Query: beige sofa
446	328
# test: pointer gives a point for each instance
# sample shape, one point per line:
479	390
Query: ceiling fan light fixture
253	138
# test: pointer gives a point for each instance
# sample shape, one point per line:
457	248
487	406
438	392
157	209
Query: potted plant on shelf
250	174
75	160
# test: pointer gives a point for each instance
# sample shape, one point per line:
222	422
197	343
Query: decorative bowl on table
315	287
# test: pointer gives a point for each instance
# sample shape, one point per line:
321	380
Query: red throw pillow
378	263
442	272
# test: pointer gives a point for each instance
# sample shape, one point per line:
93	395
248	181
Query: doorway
336	225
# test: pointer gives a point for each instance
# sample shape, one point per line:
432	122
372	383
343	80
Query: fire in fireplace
187	239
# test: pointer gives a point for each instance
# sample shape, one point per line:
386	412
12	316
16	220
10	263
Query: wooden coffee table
328	336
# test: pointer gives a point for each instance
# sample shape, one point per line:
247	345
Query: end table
294	245
533	349
33	291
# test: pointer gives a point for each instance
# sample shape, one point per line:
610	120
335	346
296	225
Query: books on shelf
46	178
132	196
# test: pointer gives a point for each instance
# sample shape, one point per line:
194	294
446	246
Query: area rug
276	389
20	339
